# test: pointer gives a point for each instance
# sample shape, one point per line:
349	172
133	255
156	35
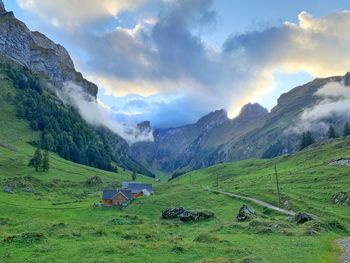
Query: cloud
334	101
164	53
98	114
75	13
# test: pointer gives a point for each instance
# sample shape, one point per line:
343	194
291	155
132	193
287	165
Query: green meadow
56	221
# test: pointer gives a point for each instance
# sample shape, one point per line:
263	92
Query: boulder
8	189
302	218
28	190
171	213
244	213
93	181
341	198
186	215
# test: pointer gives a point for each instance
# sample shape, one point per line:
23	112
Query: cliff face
38	53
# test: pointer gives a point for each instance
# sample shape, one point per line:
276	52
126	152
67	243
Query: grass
57	223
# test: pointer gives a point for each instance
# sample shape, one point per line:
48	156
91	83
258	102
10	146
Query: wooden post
217	181
278	186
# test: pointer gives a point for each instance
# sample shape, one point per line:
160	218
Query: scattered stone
28	190
8	190
186	215
342	162
302	218
97	205
341	198
244	213
93	181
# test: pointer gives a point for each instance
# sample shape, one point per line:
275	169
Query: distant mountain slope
215	138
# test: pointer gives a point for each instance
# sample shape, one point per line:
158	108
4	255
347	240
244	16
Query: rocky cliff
38	53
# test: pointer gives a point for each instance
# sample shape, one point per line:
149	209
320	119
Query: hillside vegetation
57	223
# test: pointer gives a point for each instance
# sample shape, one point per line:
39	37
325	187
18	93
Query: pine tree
116	169
46	162
133	175
36	160
332	133
307	139
346	129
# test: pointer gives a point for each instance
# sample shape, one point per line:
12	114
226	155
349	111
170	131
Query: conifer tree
332	133
346	131
46	162
133	175
307	139
36	160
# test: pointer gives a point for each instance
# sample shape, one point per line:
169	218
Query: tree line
308	139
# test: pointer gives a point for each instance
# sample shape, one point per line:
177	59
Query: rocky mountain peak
251	112
347	79
144	127
2	7
213	119
38	53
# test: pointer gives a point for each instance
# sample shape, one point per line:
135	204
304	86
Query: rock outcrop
244	213
185	215
38	53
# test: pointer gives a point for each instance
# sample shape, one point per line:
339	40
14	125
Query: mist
97	114
334	102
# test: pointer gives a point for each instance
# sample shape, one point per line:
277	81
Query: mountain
36	52
32	69
254	133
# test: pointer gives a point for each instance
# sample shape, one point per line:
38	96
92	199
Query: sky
173	61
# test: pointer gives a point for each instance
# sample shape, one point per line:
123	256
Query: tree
133	176
36	160
307	139
346	129
332	133
46	161
116	169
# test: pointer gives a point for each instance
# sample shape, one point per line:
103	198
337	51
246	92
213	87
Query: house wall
119	199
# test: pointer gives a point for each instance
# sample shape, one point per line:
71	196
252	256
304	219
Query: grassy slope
75	232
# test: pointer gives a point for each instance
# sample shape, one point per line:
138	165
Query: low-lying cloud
97	114
334	102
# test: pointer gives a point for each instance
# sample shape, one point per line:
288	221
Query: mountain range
254	133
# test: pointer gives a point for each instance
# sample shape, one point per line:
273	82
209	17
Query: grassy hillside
57	223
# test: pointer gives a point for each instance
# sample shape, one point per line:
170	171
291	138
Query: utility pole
217	181
278	186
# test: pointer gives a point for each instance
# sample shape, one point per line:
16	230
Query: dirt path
345	244
259	202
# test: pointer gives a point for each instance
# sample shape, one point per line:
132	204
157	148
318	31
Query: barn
116	197
138	189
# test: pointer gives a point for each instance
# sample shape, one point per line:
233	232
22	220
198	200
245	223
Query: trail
258	202
345	244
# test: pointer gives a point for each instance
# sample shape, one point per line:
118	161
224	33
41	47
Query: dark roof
109	194
136	187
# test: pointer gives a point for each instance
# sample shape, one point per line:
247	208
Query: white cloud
334	101
98	114
73	13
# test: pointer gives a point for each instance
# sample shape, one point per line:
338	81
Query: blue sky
172	61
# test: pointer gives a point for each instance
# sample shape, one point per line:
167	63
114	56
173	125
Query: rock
171	213
341	162
8	190
302	218
2	7
185	215
244	213
28	190
341	198
38	53
94	181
